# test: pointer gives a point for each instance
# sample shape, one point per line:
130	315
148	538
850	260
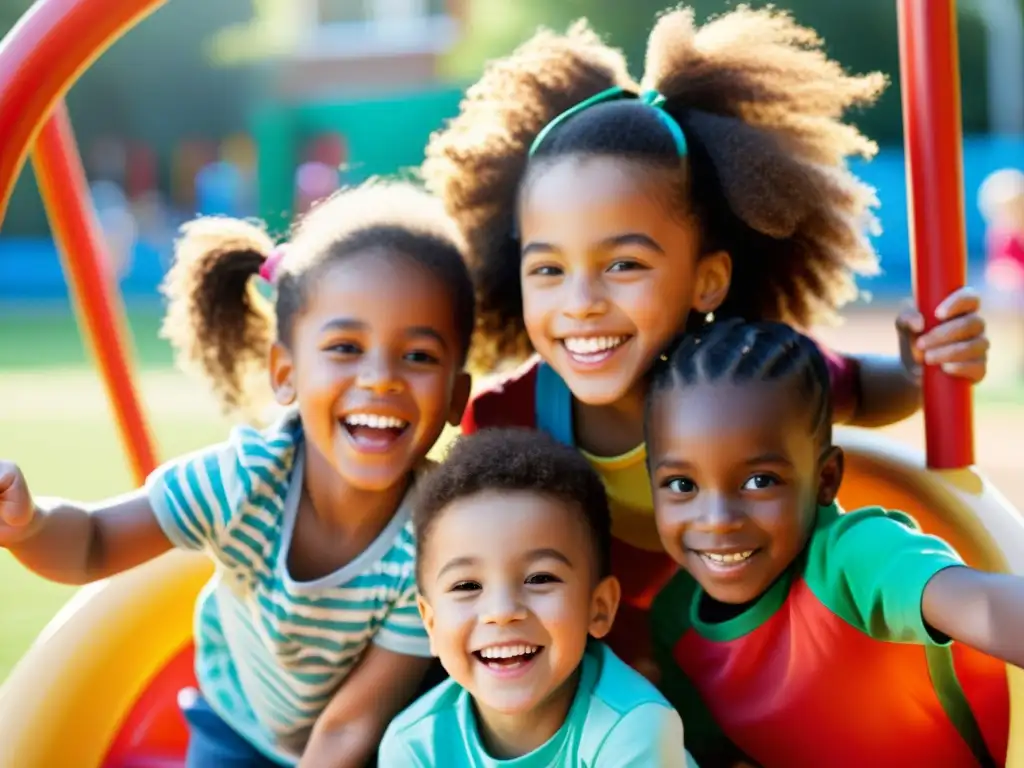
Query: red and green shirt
834	665
536	397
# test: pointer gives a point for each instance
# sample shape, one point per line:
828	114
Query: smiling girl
307	637
604	217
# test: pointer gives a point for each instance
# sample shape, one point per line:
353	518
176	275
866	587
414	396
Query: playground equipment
99	686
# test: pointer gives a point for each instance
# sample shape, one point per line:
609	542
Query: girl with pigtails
604	217
307	636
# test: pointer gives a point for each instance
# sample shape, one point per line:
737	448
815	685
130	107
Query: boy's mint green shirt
617	720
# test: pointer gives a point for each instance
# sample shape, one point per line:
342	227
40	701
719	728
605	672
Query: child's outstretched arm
74	543
349	730
982	610
890	388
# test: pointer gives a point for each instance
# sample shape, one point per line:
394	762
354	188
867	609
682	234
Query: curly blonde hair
761	107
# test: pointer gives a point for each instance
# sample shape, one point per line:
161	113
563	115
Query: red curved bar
65	193
42	57
930	79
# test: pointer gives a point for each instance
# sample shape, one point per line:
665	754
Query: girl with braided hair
799	633
604	217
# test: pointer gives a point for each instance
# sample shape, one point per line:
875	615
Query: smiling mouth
725	562
373	432
592	350
502	658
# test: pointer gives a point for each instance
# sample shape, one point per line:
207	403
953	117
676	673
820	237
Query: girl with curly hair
604	217
308	640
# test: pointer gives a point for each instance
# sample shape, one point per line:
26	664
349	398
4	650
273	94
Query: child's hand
16	509
958	344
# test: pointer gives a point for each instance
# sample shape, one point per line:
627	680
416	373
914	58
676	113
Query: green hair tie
651	98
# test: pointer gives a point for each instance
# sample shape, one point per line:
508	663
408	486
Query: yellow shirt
629	495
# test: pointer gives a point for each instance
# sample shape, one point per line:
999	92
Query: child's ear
830	476
427	614
281	369
460	398
714	275
604	603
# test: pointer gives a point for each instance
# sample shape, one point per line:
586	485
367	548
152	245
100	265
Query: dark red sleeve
844	373
508	403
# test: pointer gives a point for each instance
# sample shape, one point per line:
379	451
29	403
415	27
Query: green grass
55	422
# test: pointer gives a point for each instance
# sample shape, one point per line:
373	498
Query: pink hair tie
271	265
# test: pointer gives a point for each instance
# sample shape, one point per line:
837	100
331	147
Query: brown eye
420	356
546	271
542	578
760	482
625	266
681	485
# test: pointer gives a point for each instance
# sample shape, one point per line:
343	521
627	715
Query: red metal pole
930	79
65	193
52	44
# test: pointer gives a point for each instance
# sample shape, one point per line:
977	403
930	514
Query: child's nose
719	514
586	298
378	374
502	607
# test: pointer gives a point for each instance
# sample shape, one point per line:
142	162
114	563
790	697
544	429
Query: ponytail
762	106
217	323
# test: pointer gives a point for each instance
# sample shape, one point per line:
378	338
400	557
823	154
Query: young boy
812	637
513	539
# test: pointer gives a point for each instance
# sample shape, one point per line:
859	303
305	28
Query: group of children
638	531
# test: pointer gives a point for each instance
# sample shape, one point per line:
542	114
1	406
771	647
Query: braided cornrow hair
737	352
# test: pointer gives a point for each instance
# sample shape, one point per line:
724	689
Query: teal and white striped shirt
272	651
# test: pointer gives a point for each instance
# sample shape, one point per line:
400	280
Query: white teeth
374	421
732	557
579	345
507	651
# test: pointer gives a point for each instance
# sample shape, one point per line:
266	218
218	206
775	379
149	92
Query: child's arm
348	731
73	543
982	610
889	388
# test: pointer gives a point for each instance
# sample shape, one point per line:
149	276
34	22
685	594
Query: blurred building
317	48
367	45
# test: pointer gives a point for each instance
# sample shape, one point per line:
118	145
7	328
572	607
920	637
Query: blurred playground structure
344	89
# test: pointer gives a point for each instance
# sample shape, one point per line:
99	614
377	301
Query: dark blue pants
212	743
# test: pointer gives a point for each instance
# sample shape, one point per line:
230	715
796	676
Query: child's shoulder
834	523
196	497
620	687
507	401
419	724
843	543
628	721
